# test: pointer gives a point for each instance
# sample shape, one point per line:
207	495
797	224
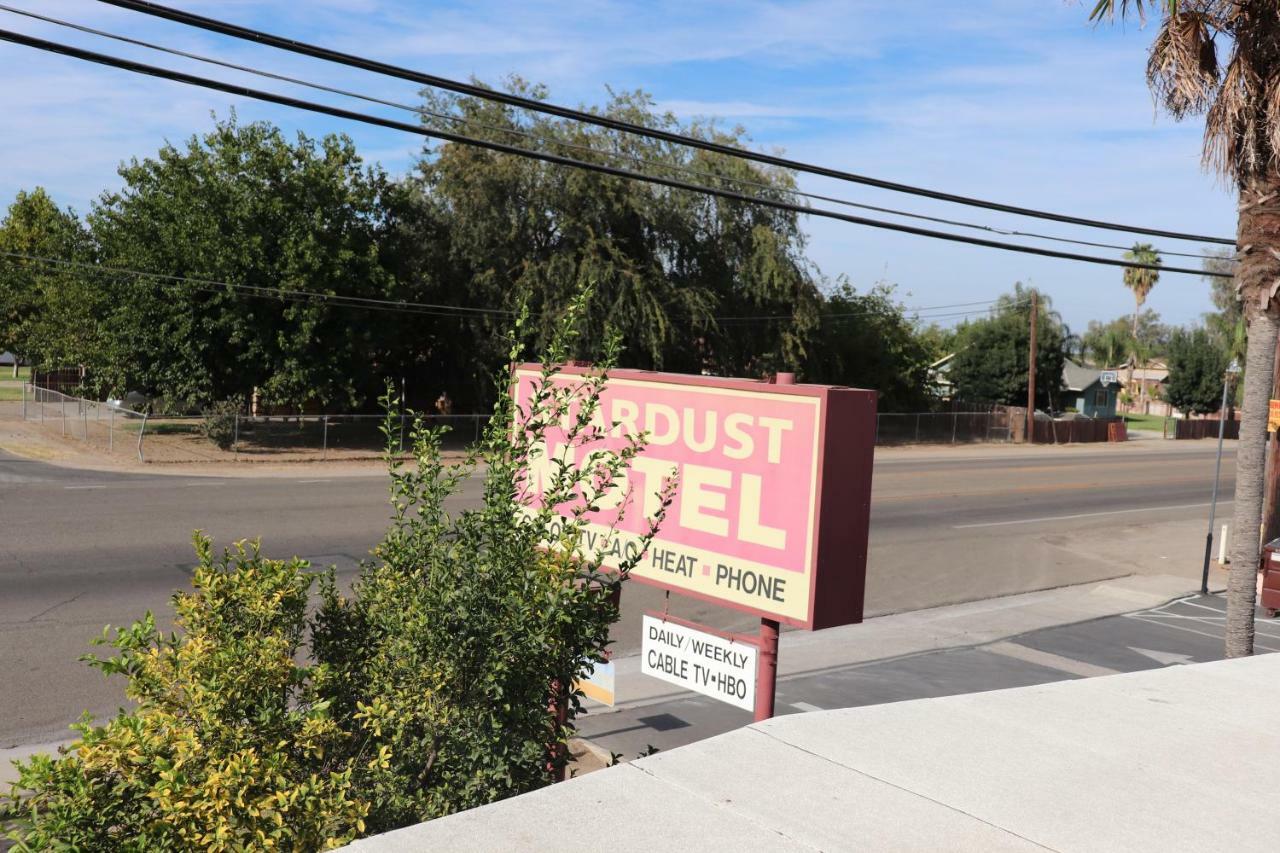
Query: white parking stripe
1211	620
81	488
804	706
1192	631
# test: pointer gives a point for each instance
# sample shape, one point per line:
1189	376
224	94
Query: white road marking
1048	659
805	706
1164	658
82	488
315	481
1218	637
1211	620
1081	515
203	483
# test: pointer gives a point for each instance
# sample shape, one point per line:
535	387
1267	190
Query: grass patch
1151	422
10	392
163	428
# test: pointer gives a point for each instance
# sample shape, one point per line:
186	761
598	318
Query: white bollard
1222	546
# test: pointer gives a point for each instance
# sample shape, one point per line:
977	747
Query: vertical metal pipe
767	669
64	414
141	432
235	440
767	660
324	453
1213	503
111	430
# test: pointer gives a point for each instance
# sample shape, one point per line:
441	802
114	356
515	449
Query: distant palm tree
1141	280
1219	59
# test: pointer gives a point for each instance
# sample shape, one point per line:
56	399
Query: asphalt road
83	549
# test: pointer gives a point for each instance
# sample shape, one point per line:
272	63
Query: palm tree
1140	280
1240	100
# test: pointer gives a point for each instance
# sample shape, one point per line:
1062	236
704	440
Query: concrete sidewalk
1156	760
935	629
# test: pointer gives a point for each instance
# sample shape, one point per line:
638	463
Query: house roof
1077	377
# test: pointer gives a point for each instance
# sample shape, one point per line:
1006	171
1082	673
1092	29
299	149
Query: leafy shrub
430	686
230	746
220	423
467	628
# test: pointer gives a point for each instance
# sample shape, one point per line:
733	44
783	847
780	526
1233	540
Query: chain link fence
111	426
118	430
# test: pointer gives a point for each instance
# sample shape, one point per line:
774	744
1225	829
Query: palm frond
1182	68
1232	143
1109	9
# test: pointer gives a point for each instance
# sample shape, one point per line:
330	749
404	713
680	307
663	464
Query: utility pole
1031	372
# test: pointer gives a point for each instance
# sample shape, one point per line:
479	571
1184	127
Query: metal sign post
1232	370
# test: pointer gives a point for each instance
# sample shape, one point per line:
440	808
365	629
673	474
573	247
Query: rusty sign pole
1031	372
767	663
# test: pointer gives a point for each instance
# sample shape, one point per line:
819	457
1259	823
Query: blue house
1092	392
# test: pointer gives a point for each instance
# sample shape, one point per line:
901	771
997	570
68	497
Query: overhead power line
362	63
307	297
564	144
289	294
338	112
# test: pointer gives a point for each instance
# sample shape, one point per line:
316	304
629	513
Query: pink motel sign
774	489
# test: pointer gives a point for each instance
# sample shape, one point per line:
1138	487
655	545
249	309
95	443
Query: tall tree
664	265
1196	368
1141	280
1227	323
867	341
244	205
1240	99
992	354
47	310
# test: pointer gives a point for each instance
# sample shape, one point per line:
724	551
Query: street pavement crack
54	607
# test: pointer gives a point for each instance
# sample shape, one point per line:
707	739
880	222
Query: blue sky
1020	101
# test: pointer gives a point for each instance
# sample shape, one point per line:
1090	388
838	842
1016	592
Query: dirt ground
177	454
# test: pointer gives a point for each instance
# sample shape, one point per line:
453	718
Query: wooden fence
1205	428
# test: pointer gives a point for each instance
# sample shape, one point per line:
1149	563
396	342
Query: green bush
455	642
230	746
220	423
427	690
